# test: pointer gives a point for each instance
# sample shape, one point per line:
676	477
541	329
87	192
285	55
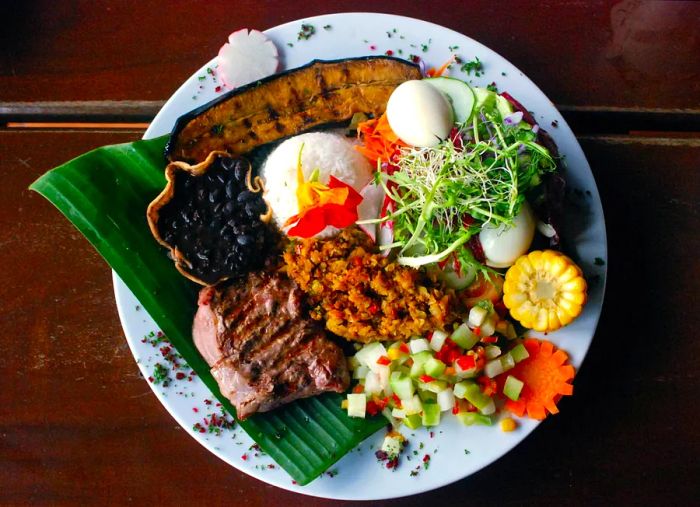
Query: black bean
244	239
230	189
240	172
229	207
245	196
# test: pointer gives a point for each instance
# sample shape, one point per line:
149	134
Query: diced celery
419	360
446	399
507	361
372	385
357	403
493	368
464	337
369	354
431	414
413	421
434	367
488	327
519	353
472	418
402	385
398	413
512	388
418	345
477	316
437	340
435	386
473	394
492	351
360	372
412	405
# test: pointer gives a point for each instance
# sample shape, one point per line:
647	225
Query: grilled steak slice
263	351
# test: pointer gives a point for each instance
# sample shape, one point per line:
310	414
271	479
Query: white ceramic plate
455	451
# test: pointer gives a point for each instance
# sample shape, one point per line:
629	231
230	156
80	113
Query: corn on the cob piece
544	290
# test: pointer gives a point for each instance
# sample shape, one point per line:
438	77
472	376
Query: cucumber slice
519	353
473	395
459	94
431	414
484	98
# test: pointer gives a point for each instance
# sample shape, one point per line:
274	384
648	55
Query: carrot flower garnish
546	377
322	205
379	142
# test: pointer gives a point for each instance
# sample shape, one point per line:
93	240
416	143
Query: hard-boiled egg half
419	114
503	245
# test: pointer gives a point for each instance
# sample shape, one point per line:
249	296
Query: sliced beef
262	349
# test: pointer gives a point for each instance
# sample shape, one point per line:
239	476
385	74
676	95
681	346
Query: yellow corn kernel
508	424
544	290
344	404
394	353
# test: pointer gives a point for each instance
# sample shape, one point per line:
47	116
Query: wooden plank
601	53
79	425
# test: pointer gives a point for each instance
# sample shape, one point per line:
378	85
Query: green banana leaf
104	193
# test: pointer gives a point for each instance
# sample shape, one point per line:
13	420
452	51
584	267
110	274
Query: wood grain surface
628	54
79	426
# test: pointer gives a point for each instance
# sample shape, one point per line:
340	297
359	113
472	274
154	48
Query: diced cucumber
477	316
392	445
489	409
413	421
418	345
507	361
492	351
437	340
446	399
372	384
512	388
419	360
488	327
493	368
402	385
464	337
427	396
459	94
357	403
360	372
412	405
519	353
472	418
473	394
398	413
434	367
431	414
460	389
435	386
369	354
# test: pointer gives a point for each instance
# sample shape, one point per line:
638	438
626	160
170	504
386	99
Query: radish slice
247	57
372	199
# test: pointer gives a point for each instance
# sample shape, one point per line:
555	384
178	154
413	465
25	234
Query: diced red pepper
466	362
404	348
372	408
426	378
489	339
429	336
477	331
397	400
383	360
455	409
359	388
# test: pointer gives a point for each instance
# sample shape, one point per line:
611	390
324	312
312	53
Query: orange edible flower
546	379
322	205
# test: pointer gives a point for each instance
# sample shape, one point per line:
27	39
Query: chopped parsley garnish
306	31
474	66
492	87
327	27
160	375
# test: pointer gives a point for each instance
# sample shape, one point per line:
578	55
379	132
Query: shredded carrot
546	379
433	72
379	143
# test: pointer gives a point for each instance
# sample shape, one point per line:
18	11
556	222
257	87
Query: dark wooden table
79	426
